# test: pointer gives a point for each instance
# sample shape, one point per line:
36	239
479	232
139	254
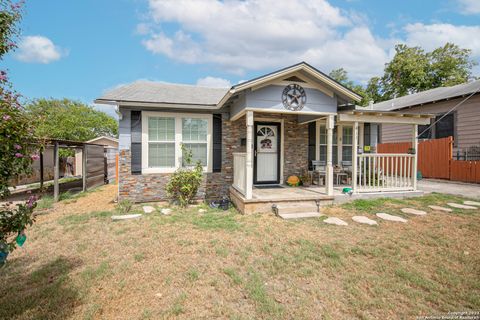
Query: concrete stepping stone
202	210
472	203
364	220
126	216
438	208
390	217
335	221
166	211
461	206
148	209
413	211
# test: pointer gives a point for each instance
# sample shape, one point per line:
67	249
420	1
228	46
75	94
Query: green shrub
184	183
124	206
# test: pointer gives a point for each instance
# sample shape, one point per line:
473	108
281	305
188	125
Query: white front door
267	153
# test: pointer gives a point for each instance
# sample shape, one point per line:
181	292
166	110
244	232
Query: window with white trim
161	142
163	135
323	144
347	141
194	138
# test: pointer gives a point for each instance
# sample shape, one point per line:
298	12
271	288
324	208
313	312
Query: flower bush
18	146
185	182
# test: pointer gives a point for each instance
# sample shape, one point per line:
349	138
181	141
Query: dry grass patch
77	263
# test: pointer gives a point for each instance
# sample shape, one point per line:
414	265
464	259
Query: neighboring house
463	124
107	142
251	137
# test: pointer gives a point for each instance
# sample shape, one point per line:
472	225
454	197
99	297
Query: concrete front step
297	207
300	215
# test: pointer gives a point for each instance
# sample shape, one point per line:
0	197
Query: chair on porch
347	171
319	167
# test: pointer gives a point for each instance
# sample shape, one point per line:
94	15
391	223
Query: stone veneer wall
151	187
295	143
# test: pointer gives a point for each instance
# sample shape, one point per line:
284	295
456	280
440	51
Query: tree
341	75
18	143
70	120
413	70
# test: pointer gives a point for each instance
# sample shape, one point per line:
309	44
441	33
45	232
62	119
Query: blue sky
79	49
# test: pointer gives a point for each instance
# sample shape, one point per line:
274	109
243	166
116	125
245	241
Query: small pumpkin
293	181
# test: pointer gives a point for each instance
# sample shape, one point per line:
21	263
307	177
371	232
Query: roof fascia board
384	118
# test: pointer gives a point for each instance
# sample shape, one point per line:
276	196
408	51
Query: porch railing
379	172
239	171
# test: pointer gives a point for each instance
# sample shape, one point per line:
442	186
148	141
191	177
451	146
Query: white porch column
329	175
415	156
354	157
249	158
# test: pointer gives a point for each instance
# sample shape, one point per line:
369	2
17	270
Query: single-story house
462	123
253	136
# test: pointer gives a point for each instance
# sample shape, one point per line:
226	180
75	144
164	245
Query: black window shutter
312	131
217	143
136	140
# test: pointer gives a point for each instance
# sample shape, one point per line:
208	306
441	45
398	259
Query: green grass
257	292
178	305
95	273
78	219
46	202
233	275
193	275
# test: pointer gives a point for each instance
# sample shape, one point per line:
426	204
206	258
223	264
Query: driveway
469	190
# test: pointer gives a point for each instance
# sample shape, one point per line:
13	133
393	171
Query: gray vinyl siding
269	98
467	122
124	130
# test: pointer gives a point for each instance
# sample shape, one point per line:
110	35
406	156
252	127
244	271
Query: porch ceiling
384	117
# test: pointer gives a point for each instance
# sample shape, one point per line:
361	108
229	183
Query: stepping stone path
413	211
471	203
335	221
389	217
438	208
127	216
364	220
461	206
202	210
166	211
148	209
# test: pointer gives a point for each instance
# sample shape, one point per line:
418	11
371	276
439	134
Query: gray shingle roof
158	92
427	96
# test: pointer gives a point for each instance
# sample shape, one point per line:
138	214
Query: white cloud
214	82
38	49
469	6
435	35
253	35
241	35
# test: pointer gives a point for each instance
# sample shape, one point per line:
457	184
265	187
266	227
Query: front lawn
78	263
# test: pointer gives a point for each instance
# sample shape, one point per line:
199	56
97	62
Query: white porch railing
379	172
240	172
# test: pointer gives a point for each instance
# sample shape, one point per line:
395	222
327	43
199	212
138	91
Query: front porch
340	159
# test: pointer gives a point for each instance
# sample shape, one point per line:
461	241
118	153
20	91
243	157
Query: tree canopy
70	120
412	70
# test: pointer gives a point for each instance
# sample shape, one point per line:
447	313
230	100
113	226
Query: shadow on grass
45	293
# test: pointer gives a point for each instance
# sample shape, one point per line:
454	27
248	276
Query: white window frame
178	139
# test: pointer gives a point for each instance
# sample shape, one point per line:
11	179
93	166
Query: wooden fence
435	160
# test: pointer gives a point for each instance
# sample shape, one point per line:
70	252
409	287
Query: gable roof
168	93
305	67
192	96
428	96
102	137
